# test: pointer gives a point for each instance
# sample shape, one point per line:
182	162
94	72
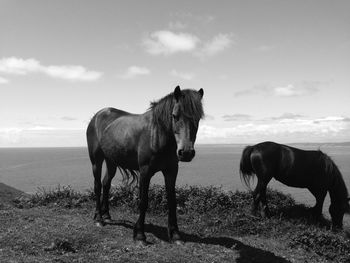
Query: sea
29	169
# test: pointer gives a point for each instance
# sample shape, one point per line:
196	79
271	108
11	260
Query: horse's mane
337	185
191	108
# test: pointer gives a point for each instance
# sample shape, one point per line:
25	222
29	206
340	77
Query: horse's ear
177	93
201	92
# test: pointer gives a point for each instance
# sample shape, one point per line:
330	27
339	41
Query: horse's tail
130	177
245	168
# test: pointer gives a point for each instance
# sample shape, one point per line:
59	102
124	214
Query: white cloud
287	115
208	117
9	136
182	75
257	90
41	136
237	117
166	42
197	19
177	25
19	66
134	71
68	118
331	119
72	73
218	44
265	48
286	91
41	128
3	80
327	129
300	89
292	91
323	129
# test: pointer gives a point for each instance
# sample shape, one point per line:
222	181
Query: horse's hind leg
96	170
259	196
320	195
139	228
106	183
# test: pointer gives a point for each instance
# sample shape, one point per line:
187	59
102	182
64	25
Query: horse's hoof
175	238
254	212
108	221
179	242
264	214
99	224
140	243
336	228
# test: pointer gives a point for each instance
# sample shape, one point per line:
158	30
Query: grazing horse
140	145
313	170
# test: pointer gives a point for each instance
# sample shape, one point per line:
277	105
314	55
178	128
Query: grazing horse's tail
245	168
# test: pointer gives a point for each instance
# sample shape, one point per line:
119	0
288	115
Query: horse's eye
176	117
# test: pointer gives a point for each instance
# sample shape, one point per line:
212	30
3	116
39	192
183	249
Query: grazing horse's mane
337	187
191	104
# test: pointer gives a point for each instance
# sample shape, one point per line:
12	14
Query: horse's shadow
247	253
301	212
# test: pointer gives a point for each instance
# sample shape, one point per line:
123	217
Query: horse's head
347	207
337	212
186	113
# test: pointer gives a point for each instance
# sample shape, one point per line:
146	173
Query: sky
270	70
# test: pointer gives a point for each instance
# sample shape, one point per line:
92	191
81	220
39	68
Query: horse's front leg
337	216
320	195
170	175
139	228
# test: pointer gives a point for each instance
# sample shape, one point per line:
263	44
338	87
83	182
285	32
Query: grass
208	216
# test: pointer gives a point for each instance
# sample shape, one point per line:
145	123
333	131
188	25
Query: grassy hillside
8	193
57	226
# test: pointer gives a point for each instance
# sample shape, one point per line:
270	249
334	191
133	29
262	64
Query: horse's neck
161	139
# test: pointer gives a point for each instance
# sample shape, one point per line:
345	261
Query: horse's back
102	119
265	157
291	166
287	156
99	122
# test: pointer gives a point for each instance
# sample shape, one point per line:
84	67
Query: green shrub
190	199
204	199
63	196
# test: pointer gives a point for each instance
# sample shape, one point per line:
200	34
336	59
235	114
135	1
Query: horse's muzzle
186	156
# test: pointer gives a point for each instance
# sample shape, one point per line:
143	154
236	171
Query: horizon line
201	144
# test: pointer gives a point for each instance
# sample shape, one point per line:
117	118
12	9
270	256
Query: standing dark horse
140	145
313	170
